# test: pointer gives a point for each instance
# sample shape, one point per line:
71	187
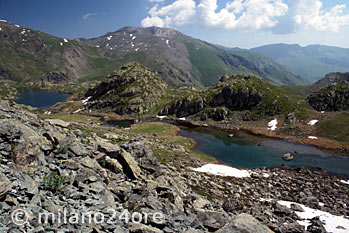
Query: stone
287	157
105	146
57	122
5	185
232	205
245	223
129	165
141	228
113	165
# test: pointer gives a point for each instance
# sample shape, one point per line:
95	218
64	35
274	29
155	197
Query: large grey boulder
245	223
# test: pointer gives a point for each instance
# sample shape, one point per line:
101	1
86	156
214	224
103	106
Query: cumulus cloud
246	14
275	15
310	14
88	15
176	14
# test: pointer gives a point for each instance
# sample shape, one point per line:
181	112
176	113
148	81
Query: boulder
130	166
245	223
287	157
57	122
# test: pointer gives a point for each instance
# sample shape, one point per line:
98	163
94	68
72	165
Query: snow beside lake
222	170
312	137
313	122
86	100
272	124
161	117
65	40
345	182
182	119
332	223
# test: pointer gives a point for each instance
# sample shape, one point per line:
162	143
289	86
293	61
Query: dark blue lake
38	98
245	151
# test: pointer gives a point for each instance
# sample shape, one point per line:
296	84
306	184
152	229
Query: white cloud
88	15
309	13
156	0
176	14
246	14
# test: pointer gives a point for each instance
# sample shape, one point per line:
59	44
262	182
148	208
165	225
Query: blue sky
233	23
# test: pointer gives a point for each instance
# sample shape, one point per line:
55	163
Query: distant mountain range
26	54
312	62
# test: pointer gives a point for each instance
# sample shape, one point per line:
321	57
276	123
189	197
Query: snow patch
322	112
167	41
272	124
86	100
0	29
97	46
77	111
182	119
312	137
223	170
61	44
161	117
65	40
345	182
2	20
107	45
313	122
47	112
134	37
331	222
109	37
23	32
17	26
136	49
131	35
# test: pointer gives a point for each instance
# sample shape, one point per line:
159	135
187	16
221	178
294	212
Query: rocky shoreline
100	175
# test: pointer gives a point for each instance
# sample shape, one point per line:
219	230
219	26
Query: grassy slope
336	128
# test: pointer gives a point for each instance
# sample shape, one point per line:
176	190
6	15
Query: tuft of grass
68	117
54	182
62	150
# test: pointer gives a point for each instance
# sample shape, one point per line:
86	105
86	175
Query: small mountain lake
39	98
246	151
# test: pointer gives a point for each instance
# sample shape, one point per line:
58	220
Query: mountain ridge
179	59
312	61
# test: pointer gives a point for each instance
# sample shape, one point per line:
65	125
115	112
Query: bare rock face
53	77
131	90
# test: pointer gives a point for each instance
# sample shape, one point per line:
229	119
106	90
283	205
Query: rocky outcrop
237	93
53	77
131	90
334	97
331	78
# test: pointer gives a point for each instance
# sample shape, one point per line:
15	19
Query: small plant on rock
54	182
62	150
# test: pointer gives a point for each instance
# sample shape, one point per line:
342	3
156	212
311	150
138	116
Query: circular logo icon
19	217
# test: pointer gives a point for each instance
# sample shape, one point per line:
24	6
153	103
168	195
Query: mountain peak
152	31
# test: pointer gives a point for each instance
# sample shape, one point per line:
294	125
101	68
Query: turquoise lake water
40	98
248	152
